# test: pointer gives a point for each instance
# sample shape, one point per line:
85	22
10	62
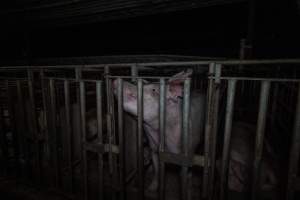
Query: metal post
45	132
100	136
34	123
68	136
208	129
186	137
140	106
162	119
83	136
110	124
227	136
294	153
3	145
54	133
134	72
21	122
261	121
13	123
213	139
121	138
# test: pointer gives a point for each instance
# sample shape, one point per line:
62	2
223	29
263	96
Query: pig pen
64	128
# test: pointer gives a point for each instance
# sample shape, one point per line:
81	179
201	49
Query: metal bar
21	116
3	145
169	64
227	135
110	124
83	136
100	136
13	123
259	79
162	119
294	153
261	121
221	78
68	135
53	130
208	126
186	137
34	122
134	72
45	107
140	106
213	139
121	138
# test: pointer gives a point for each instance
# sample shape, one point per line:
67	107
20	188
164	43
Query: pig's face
151	96
151	100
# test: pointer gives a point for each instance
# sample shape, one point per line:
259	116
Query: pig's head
151	95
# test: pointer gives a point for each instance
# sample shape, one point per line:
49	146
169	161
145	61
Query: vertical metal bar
213	139
140	105
100	136
110	124
162	120
53	130
208	126
21	127
261	121
45	131
3	145
13	124
121	137
186	137
83	135
134	72
36	136
68	135
294	153
227	136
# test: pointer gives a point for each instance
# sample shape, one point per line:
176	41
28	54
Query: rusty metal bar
162	120
100	136
140	110
208	127
294	153
68	135
121	138
227	135
186	137
83	136
54	145
261	121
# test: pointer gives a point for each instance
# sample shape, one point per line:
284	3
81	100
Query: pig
173	123
241	160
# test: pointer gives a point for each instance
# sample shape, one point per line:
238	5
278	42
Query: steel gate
45	112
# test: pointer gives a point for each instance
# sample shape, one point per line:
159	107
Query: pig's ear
179	77
174	91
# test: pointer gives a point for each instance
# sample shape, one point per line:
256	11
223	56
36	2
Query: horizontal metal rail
169	64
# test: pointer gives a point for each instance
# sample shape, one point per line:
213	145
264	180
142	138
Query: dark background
211	31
